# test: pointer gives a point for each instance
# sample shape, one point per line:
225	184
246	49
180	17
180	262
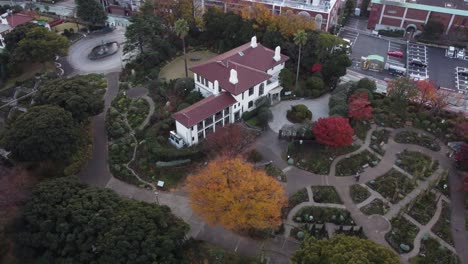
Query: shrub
339	110
254	156
315	85
286	78
299	113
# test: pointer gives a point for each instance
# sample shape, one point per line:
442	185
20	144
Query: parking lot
417	52
443	71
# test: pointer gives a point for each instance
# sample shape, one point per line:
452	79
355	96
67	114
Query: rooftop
4	28
203	109
250	63
17	19
457	7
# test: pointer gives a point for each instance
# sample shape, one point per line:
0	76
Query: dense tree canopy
230	140
80	95
18	33
41	134
69	222
341	249
401	91
91	11
40	45
462	156
232	193
333	131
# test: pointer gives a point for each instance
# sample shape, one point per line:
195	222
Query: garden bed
378	137
417	164
410	137
361	128
423	207
431	252
443	185
323	215
315	157
120	153
393	185
298	197
358	193
137	112
403	232
442	227
276	172
354	164
377	206
325	194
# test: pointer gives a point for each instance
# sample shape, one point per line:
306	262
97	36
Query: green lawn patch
358	193
315	157
423	207
377	206
276	172
410	137
355	163
378	139
176	69
322	215
403	232
417	164
393	185
325	194
442	227
432	252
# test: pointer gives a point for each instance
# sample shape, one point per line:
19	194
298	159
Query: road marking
237	245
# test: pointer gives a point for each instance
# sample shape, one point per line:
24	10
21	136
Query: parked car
418	63
463	73
396	53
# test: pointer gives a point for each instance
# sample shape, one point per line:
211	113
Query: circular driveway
78	53
318	107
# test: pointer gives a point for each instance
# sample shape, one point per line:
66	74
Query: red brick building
413	14
324	12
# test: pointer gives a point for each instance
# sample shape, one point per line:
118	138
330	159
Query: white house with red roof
231	83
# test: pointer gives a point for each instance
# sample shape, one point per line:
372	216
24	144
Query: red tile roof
17	19
207	107
247	77
250	63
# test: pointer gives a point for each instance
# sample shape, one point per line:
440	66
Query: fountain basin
104	50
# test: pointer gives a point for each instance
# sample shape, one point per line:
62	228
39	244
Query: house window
251	91
392	12
198	77
260	90
250	104
200	125
226	111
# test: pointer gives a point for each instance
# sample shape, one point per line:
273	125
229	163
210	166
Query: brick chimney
253	42
233	77
277	56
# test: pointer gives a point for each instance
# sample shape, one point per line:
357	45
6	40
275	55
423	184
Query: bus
396	70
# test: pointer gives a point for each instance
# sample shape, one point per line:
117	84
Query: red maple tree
427	93
462	156
316	67
333	131
230	140
461	129
359	107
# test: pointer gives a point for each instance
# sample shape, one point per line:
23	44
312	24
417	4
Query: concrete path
318	107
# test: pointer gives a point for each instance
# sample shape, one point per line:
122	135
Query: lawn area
422	208
410	137
315	157
402	232
63	26
325	194
358	193
431	252
175	69
417	164
442	226
378	139
393	185
276	172
353	164
377	206
323	215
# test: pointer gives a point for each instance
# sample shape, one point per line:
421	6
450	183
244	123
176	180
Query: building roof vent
241	53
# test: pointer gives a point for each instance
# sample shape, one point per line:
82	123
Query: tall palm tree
181	28
300	39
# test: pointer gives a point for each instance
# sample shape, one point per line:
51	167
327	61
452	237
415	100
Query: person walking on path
357	176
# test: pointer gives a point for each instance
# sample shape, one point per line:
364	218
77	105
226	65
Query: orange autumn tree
234	194
427	93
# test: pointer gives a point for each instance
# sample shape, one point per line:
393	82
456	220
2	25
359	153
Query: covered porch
275	95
